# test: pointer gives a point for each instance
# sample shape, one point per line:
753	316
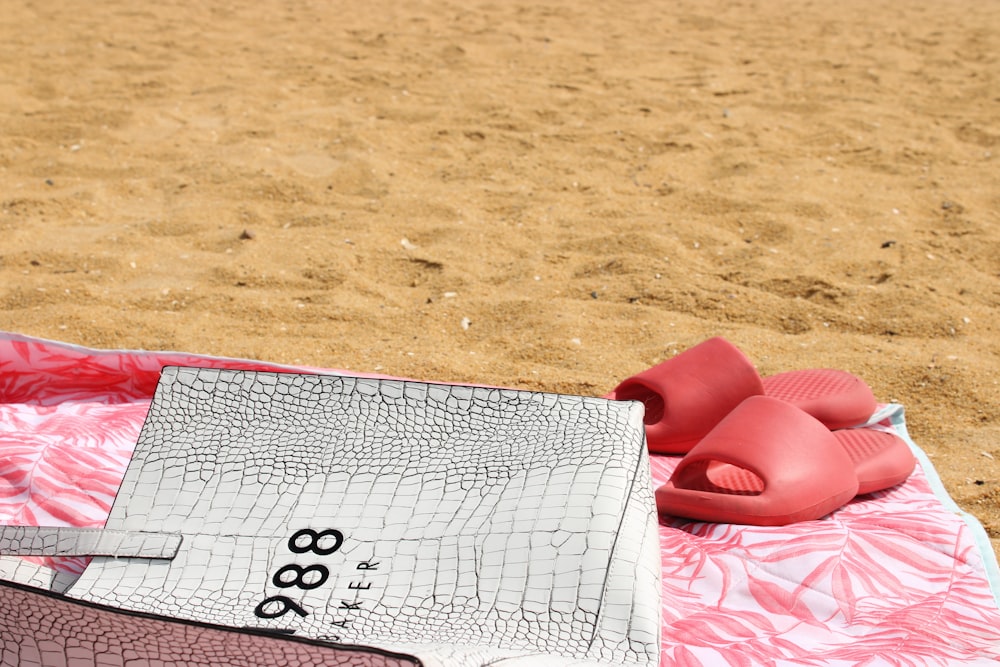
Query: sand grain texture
549	197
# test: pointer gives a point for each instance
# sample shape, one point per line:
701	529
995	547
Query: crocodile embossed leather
458	525
40	629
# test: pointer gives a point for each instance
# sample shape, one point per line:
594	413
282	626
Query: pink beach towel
899	577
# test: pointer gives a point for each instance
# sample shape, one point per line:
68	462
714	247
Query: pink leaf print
843	591
771	597
683	657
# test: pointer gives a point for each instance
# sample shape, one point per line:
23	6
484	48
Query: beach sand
545	197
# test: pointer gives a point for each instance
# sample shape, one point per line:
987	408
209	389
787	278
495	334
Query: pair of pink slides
762	451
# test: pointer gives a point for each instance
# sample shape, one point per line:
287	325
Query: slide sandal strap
687	395
805	471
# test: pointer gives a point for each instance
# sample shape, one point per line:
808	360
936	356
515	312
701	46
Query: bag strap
71	541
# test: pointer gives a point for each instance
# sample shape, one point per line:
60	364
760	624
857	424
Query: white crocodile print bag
432	523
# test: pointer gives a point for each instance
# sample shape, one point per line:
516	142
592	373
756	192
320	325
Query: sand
547	197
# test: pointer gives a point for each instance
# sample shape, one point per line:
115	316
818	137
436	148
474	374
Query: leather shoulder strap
67	541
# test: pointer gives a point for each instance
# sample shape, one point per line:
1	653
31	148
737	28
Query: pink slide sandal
686	396
768	463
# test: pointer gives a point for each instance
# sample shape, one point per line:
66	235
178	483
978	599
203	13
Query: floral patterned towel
899	577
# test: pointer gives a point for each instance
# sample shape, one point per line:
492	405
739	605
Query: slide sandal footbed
717	477
837	398
881	459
